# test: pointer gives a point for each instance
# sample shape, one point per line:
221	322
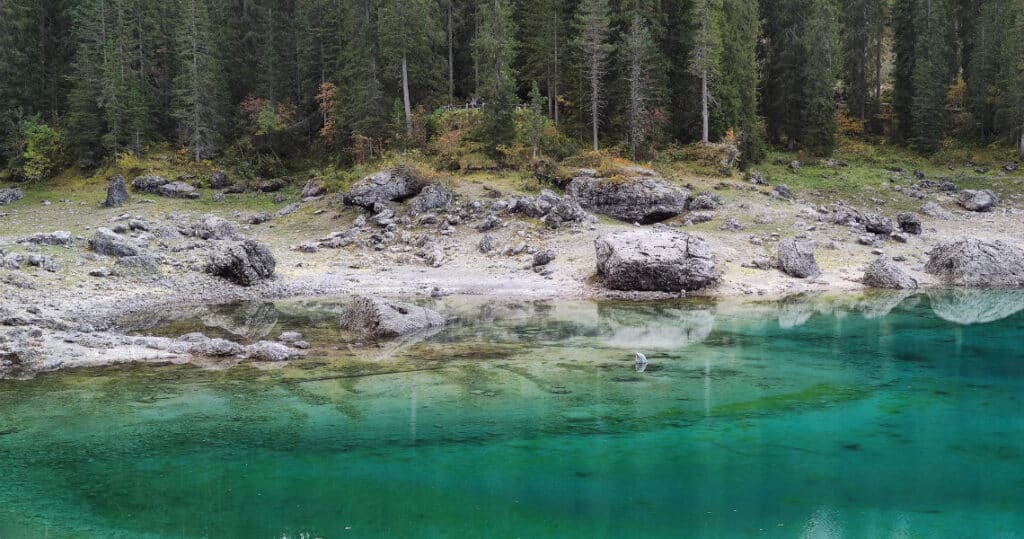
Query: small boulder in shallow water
269	351
383	319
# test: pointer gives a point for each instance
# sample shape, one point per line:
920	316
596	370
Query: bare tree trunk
1021	151
405	96
594	103
555	92
451	56
704	106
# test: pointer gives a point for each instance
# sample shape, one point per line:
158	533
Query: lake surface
835	416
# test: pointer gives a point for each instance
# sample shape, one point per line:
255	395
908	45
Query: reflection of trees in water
973	306
250	321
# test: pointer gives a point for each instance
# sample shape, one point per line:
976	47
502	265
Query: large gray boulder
219	180
10	194
432	197
177	190
980	201
878	224
158	185
106	242
655	260
885	273
796	258
975	262
212	227
313	188
636	199
244	263
909	223
383	187
383	319
117	192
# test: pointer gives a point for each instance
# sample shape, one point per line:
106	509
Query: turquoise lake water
839	416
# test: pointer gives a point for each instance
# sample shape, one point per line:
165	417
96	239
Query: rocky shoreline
633	236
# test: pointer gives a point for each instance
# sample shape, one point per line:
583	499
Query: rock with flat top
979	201
655	260
639	197
383	187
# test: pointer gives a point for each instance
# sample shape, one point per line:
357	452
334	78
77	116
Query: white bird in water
641	362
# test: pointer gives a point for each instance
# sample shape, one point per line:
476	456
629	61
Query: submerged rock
975	262
641	198
244	263
649	260
885	273
269	351
383	319
796	258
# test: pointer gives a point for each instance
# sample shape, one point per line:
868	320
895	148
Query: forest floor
872	183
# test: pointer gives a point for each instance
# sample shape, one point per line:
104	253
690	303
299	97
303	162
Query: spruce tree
737	87
933	72
904	47
817	130
592	21
862	33
199	89
543	51
985	66
494	49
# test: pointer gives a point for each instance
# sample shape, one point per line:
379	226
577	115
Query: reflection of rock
879	303
250	321
656	327
796	310
972	306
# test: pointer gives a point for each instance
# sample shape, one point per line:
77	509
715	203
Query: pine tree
543	37
1012	110
985	66
904	46
362	113
737	87
817	131
705	56
592	20
933	72
199	88
862	34
494	50
639	47
535	119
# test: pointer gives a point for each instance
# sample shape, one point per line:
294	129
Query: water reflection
966	306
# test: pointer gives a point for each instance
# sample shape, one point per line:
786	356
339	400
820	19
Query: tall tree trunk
555	91
405	96
451	55
594	84
704	107
1021	151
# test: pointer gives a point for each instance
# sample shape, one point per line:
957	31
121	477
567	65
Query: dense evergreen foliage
261	82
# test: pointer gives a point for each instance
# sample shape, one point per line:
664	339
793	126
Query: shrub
43	149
